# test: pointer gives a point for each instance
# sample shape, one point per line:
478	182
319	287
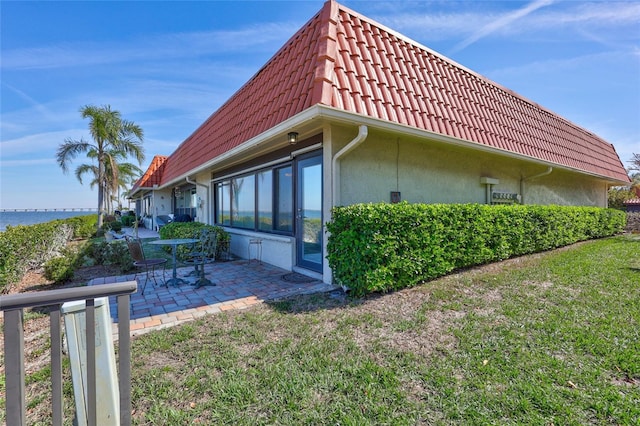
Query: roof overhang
311	120
337	115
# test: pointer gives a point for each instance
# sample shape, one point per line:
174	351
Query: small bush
112	226
385	247
127	220
59	269
111	253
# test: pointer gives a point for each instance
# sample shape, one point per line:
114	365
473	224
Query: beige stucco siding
427	171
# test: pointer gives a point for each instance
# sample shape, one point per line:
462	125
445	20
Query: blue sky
168	65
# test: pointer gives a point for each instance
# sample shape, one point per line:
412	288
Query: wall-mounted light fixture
293	138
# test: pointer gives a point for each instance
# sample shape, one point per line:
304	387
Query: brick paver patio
239	285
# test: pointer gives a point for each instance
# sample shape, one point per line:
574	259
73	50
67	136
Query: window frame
220	184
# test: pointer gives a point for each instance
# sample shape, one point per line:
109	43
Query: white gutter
193	182
526	179
363	131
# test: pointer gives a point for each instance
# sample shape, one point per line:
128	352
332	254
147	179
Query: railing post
124	358
90	318
56	365
14	367
13	305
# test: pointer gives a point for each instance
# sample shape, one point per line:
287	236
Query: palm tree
123	176
113	139
128	174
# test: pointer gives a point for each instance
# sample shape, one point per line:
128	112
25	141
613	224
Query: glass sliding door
309	213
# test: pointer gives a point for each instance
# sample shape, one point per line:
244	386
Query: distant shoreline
9	217
65	209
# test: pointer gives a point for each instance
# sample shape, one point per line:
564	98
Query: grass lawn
552	338
547	339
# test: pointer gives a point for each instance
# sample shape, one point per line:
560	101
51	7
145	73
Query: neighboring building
632	205
349	111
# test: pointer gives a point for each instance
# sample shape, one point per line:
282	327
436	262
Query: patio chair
204	251
162	220
141	262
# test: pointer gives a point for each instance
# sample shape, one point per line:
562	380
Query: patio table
174	243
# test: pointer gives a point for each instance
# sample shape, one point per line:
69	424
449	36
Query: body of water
33	217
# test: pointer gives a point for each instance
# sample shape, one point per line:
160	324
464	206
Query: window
284	199
223	203
262	201
244	202
265	200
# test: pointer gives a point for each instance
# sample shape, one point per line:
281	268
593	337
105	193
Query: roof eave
327	113
354	118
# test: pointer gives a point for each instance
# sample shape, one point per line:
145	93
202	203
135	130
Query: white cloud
30	162
504	21
565	16
36	143
163	47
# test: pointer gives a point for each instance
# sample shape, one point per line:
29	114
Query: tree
618	195
635	162
123	176
113	139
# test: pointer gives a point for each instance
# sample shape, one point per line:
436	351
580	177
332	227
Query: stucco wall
163	203
277	250
204	211
432	172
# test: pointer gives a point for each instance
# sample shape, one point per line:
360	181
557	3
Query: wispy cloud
502	22
549	17
35	144
44	111
28	162
164	47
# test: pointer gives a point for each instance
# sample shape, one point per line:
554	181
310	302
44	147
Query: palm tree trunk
100	206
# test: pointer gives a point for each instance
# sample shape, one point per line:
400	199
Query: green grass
552	338
547	339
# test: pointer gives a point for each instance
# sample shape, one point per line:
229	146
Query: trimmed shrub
27	247
83	226
191	230
385	247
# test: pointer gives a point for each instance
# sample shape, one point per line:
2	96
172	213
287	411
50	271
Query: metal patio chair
203	252
142	262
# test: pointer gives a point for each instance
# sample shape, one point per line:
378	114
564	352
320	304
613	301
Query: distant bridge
64	209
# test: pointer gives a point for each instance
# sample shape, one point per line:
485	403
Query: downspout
193	182
363	131
526	179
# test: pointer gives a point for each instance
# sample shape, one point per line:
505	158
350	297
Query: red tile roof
347	61
153	174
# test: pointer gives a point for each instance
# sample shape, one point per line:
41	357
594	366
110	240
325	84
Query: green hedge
385	247
26	247
192	230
